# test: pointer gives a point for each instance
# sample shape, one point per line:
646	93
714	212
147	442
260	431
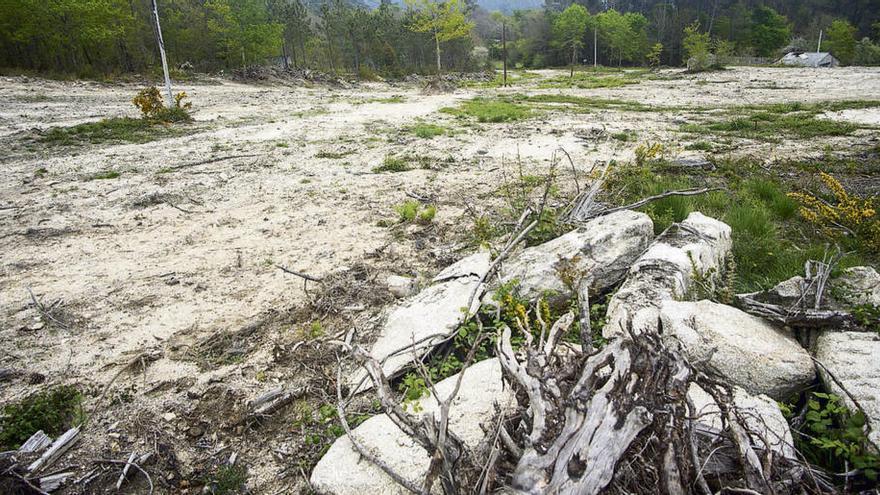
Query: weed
52	411
648	152
40	172
282	145
624	136
700	146
392	164
414	389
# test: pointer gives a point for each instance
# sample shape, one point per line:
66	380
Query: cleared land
162	244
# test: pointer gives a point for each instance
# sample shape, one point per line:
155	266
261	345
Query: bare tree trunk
504	52
162	54
437	48
573	56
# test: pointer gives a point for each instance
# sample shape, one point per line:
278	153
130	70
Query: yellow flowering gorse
850	213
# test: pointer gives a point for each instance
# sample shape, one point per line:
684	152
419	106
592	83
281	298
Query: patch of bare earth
167	305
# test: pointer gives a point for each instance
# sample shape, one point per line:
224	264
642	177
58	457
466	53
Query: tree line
93	37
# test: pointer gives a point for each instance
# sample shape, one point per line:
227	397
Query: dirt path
183	243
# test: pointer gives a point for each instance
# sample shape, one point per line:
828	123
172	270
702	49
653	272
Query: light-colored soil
156	261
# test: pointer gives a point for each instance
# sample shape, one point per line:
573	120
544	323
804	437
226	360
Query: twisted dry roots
622	425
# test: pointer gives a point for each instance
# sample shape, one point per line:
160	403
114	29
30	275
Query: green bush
52	411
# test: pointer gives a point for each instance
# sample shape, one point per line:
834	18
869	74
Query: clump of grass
700	146
333	155
490	110
392	163
624	136
427	131
582	104
52	411
586	80
228	480
105	174
412	210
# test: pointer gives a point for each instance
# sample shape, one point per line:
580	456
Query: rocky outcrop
767	427
858	285
602	250
747	351
665	271
853	358
425	319
342	471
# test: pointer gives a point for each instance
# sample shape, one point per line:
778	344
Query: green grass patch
624	136
777	120
586	103
393	163
586	81
125	129
52	411
413	211
490	110
770	241
428	131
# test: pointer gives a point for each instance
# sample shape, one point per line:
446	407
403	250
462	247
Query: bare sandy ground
155	260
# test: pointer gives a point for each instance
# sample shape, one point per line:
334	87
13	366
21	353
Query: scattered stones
342	471
748	351
852	358
401	287
665	271
601	250
428	317
761	413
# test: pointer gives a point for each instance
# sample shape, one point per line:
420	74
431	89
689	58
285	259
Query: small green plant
648	152
426	216
52	411
414	389
413	211
835	438
228	480
392	164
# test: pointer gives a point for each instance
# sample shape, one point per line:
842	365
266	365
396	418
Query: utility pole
819	48
162	54
504	50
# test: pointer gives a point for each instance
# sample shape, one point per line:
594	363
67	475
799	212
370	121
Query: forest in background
89	38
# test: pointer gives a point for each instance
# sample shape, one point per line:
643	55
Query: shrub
52	411
149	102
849	214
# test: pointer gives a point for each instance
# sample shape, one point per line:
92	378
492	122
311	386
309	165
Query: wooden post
162	54
504	50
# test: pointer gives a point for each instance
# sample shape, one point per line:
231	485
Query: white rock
854	359
401	287
761	414
746	350
342	471
474	265
426	318
602	250
665	271
858	285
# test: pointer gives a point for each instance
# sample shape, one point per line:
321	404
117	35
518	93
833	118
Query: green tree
696	46
569	28
769	31
842	40
445	21
653	57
